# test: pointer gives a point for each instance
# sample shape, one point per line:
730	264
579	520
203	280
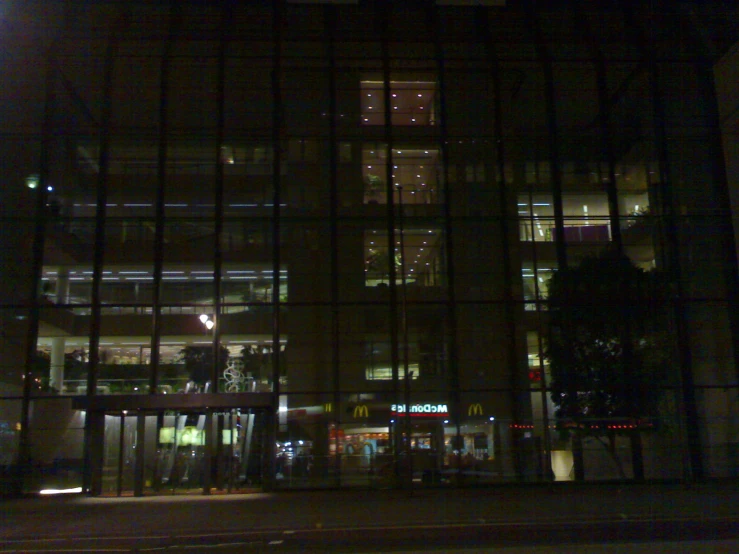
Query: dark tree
199	362
608	352
259	359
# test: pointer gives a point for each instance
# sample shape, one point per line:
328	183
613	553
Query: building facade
308	244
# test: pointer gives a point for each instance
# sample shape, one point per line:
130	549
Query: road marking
275	542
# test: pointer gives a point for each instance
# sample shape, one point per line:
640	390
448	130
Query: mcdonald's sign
328	407
361	410
474	409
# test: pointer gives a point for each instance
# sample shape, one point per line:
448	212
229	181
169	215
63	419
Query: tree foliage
608	348
199	362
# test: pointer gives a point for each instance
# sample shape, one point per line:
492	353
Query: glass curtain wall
357	209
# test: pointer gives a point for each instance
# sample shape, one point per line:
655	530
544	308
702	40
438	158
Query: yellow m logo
474	409
360	410
328	407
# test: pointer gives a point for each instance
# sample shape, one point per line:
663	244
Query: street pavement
543	519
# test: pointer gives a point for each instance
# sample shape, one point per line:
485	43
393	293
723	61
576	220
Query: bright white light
209	324
32	181
203	318
61	491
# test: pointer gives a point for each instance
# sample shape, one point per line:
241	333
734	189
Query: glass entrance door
221	450
119	454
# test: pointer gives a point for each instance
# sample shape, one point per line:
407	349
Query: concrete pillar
56	371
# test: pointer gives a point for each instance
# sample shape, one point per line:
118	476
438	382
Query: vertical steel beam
453	379
225	29
162	153
37	263
139	464
330	30
278	15
121	450
604	119
385	13
545	60
517	374
90	463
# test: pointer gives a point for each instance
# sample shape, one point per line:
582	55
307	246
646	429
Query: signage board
422	409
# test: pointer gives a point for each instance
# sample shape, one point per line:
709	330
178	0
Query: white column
56	376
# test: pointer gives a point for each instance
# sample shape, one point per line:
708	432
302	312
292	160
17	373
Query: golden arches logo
328	407
474	409
361	410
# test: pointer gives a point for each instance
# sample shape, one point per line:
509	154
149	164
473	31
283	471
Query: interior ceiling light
32	181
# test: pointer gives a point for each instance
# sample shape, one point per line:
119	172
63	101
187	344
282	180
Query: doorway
182	452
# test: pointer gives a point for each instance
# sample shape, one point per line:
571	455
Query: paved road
551	519
662	536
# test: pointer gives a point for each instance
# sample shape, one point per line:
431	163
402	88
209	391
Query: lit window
413	102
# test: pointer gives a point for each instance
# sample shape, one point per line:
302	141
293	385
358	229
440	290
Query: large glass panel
177	450
56	437
305	93
119	454
135	97
490	446
417	175
413	102
10	418
365	348
248	170
307	274
60	362
479	260
418	257
535	277
306	453
308	356
717	406
15	322
190	180
192	75
248	101
469	102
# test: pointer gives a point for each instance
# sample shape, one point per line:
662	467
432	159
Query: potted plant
373	188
